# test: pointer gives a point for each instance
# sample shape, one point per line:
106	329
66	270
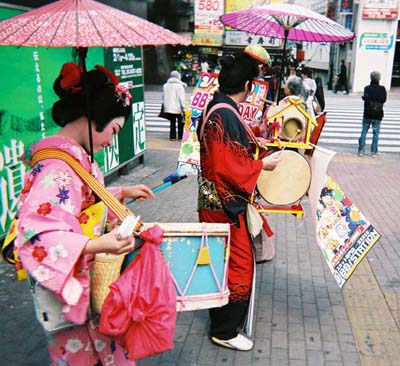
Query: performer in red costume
228	178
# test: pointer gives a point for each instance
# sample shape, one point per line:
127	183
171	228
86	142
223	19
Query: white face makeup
106	137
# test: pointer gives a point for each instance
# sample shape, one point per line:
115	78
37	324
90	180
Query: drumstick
270	102
292	138
180	173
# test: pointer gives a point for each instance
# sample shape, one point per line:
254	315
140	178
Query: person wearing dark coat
342	79
319	94
374	97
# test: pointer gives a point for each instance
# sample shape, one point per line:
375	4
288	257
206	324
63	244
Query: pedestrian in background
204	66
273	84
309	90
374	97
174	99
319	94
342	79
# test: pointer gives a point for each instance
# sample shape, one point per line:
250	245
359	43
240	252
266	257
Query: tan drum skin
288	182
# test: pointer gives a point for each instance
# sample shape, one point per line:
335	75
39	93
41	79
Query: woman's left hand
139	192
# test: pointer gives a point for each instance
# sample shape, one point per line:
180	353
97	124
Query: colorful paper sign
251	111
343	233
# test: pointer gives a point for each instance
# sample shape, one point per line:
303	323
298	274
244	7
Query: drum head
288	182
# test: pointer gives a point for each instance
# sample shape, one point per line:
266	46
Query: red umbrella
82	24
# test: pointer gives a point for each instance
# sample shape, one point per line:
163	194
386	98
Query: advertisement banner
343	233
233	5
251	111
380	9
208	30
126	63
376	41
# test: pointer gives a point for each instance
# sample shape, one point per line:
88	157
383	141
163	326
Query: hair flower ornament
123	95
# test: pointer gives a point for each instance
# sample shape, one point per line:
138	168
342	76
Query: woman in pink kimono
50	241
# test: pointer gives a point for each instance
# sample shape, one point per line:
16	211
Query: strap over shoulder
115	206
249	132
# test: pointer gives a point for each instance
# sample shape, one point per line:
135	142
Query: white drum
288	182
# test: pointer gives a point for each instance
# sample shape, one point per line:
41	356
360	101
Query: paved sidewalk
302	318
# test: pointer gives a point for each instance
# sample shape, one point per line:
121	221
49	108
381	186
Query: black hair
306	71
103	102
275	70
236	70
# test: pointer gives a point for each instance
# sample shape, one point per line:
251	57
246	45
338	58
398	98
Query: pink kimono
50	244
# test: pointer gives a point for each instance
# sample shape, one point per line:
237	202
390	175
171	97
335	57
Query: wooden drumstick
292	138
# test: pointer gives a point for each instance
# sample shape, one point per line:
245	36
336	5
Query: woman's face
106	137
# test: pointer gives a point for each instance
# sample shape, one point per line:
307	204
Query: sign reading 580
209	5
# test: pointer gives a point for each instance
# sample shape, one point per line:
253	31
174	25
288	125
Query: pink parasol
287	22
82	24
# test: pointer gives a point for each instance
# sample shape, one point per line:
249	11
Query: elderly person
294	87
174	99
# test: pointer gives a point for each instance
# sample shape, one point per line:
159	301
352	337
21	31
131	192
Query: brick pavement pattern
301	318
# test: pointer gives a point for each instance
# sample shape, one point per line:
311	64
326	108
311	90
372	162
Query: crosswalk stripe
343	126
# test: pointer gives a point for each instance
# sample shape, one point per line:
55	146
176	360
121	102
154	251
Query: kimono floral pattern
50	243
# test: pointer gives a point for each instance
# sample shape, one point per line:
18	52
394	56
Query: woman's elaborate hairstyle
106	98
295	85
236	70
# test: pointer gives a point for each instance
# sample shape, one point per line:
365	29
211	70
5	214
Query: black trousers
226	321
174	120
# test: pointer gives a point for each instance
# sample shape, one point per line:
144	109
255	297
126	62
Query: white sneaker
239	343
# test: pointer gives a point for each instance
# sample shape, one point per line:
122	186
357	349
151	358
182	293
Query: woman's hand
271	161
108	243
140	192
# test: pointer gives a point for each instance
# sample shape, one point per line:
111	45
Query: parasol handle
282	66
82	52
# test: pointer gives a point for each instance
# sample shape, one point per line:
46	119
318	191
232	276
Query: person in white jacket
174	99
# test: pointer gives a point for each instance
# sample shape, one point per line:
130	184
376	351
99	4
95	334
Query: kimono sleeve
49	238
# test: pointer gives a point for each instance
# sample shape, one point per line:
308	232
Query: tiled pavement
302	318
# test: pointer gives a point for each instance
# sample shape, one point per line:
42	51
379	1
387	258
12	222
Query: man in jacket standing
174	99
374	97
